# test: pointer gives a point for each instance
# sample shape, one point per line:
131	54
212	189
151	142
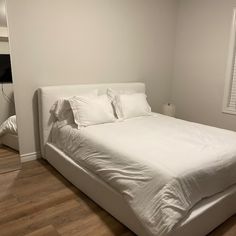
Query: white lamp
168	109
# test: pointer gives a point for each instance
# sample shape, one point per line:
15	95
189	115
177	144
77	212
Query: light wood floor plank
9	160
46	231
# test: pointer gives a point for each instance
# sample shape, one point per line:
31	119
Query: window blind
232	92
229	102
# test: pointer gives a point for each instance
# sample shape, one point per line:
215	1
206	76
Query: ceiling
3	20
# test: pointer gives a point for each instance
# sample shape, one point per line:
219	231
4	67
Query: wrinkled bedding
9	126
161	165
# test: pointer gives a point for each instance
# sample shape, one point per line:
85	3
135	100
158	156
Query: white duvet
161	165
9	126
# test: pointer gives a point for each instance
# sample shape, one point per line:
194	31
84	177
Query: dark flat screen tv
5	69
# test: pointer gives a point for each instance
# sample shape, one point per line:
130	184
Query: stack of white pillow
91	108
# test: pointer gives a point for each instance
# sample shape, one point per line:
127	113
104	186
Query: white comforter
9	126
161	165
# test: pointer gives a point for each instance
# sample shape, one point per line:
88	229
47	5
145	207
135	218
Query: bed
203	217
8	133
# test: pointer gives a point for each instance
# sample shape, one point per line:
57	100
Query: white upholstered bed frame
202	219
10	140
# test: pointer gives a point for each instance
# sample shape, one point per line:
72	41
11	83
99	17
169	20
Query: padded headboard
48	95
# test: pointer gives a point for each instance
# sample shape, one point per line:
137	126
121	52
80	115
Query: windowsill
229	111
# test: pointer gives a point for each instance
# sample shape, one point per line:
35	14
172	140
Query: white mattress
9	126
202	219
162	166
10	140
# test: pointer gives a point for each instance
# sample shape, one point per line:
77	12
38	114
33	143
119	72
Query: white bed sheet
9	126
161	165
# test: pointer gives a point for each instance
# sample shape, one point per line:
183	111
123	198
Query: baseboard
30	156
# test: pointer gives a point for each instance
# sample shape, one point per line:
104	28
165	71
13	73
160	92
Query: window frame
230	67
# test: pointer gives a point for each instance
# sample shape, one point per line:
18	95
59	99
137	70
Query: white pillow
128	104
115	101
114	97
61	109
134	105
91	110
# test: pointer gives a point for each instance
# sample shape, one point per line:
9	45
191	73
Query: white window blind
229	105
232	92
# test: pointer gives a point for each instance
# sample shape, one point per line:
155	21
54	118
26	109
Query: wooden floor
9	160
38	201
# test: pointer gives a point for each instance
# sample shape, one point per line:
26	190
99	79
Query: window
229	105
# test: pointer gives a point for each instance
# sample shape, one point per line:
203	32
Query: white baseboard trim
29	156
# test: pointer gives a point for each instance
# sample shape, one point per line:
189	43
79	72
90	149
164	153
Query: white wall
87	41
3	30
4	47
3	20
203	31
